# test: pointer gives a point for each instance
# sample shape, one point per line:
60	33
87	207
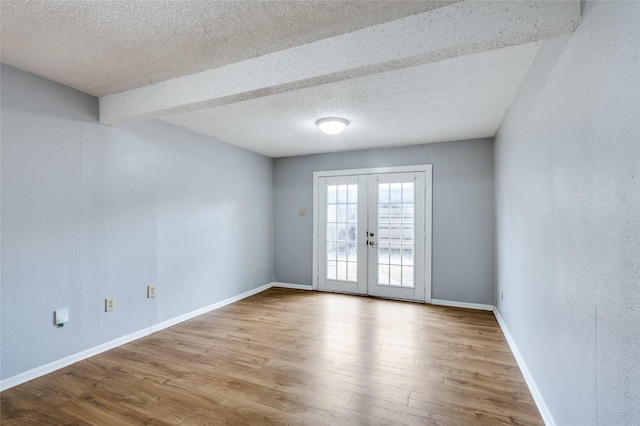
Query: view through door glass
396	223
371	234
396	254
342	232
342	254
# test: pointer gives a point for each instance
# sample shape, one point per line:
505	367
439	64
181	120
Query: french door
373	233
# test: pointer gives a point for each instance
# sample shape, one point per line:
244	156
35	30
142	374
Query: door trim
428	171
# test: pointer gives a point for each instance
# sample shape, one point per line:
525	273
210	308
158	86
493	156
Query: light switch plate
62	316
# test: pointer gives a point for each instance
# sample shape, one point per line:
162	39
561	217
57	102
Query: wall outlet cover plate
62	316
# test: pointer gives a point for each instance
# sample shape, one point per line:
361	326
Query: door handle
372	244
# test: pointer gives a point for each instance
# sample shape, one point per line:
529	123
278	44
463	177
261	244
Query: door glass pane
352	252
342	233
352	213
407	213
395	213
352	194
383	193
341	213
331	251
407	256
407	192
331	269
395	257
352	232
383	254
331	194
395	192
395	275
342	193
383	213
383	234
383	274
352	271
395	234
331	232
407	234
342	271
407	276
331	213
396	239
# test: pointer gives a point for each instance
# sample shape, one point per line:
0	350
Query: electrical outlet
109	305
254	271
151	291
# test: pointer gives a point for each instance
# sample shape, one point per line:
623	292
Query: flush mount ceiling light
332	125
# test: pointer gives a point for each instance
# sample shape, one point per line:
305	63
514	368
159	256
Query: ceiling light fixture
332	125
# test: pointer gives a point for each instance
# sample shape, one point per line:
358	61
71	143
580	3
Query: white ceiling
258	74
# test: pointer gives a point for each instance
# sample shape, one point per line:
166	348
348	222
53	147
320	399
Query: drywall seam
462	305
72	359
533	388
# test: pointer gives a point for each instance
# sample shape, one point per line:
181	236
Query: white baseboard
72	359
18	379
213	307
537	397
294	286
462	305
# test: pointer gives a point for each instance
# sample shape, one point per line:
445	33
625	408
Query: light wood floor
294	357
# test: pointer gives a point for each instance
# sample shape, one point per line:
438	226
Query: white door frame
426	168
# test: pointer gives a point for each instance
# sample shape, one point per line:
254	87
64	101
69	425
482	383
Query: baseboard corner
465	305
291	285
545	413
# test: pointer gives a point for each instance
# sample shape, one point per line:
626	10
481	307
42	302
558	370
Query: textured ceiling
109	46
459	98
258	74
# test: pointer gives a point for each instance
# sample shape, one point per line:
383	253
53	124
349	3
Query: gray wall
463	213
91	211
568	219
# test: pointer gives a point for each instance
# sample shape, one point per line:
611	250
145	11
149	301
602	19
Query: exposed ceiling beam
457	30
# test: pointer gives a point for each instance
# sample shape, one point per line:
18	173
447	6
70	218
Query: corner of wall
533	388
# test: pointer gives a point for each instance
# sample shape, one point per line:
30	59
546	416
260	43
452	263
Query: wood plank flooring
294	357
